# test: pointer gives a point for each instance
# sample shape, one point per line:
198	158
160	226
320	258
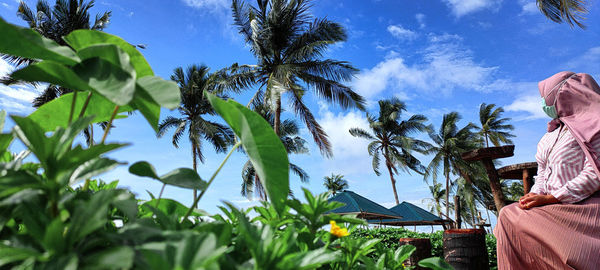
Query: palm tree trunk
195	166
389	167
447	193
487	144
473	214
277	114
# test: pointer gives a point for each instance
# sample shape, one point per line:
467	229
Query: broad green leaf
92	168
264	148
53	238
309	260
80	39
78	155
24	42
166	93
109	52
435	263
15	181
113	82
56	112
147	107
52	72
110	258
20	197
185	178
32	135
169	207
90	216
13	254
5	140
403	253
143	169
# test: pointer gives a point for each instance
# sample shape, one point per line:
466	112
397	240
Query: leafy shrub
46	224
389	239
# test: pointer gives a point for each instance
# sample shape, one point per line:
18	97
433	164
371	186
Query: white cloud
530	104
586	63
528	7
6	5
443	66
402	33
421	20
15	99
347	149
464	7
210	4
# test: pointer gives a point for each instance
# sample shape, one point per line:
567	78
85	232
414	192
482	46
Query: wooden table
521	171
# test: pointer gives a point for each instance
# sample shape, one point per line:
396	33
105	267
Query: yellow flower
337	231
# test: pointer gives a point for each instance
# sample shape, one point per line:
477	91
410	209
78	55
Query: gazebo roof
411	215
361	207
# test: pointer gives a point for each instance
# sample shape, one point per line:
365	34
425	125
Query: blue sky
438	56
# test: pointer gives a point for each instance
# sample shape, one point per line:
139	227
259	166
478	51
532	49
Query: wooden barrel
423	251
465	249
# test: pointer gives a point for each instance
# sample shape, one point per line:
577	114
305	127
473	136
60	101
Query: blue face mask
549	110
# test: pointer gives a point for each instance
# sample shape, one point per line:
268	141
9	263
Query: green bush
45	223
389	239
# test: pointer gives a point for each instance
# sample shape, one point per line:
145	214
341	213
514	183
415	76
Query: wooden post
527	181
494	184
487	156
457	218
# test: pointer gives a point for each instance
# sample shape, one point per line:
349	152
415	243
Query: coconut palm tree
449	143
335	183
391	139
294	144
570	11
54	23
436	201
288	45
194	108
493	127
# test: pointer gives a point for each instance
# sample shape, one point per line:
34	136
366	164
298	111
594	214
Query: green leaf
54	238
32	135
13	254
24	42
264	148
56	112
403	253
185	178
111	258
149	109
113	82
92	168
435	263
165	93
53	73
80	39
309	260
90	216
143	169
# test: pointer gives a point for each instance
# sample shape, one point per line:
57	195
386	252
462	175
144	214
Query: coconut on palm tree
494	128
294	144
391	139
194	109
335	183
449	143
289	45
570	11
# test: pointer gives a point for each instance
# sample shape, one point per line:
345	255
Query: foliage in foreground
46	223
389	239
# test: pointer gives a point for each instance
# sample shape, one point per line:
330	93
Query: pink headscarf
578	107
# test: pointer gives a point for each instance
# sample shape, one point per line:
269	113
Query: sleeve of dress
583	185
540	178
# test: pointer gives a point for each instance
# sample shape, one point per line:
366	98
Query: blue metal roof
411	214
356	204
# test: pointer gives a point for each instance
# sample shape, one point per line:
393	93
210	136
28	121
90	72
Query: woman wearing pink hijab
557	224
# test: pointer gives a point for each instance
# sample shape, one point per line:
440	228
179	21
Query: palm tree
450	142
335	183
288	45
294	144
194	108
54	23
493	127
391	139
570	11
436	201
